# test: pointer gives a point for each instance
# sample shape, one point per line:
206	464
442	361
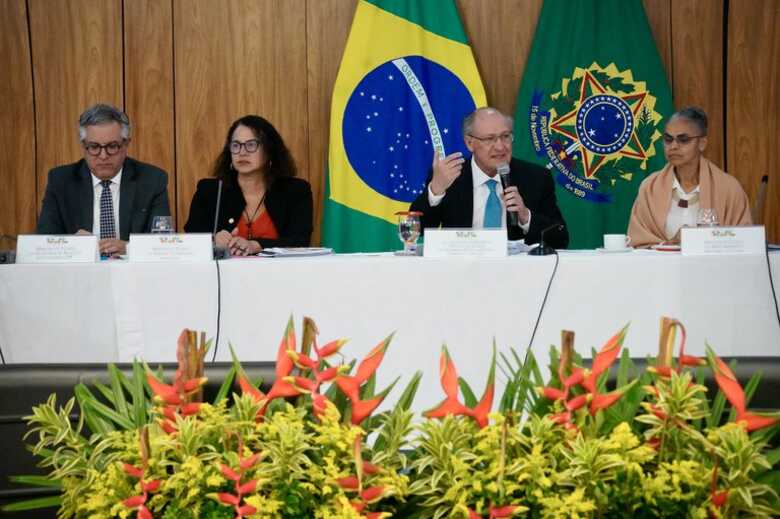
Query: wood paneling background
185	69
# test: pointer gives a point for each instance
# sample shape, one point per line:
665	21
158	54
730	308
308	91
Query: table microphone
503	173
219	252
542	249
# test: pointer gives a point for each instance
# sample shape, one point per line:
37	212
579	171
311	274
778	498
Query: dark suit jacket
68	203
288	201
535	185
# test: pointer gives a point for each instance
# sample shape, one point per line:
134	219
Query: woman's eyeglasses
681	139
250	146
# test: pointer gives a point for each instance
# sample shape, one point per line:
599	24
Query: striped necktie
107	226
492	207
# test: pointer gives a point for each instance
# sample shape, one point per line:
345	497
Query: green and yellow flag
591	108
406	81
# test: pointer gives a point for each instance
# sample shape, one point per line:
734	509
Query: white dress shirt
479	180
679	217
98	192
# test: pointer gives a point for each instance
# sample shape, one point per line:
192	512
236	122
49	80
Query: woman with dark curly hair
263	203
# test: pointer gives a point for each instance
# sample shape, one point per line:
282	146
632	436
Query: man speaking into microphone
470	194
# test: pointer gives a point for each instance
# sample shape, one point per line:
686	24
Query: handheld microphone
503	173
219	252
542	249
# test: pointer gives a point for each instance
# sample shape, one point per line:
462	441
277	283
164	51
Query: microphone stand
542	249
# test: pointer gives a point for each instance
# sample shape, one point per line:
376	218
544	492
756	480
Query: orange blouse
262	227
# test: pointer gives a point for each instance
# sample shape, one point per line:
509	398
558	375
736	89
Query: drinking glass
706	217
162	224
409	230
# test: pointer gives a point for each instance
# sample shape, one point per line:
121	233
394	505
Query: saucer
665	247
610	251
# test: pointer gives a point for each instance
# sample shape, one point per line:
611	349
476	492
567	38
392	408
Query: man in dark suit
106	193
470	194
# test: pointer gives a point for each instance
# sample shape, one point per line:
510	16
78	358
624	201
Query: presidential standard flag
406	81
592	105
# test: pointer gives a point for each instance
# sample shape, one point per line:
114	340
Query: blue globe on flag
399	113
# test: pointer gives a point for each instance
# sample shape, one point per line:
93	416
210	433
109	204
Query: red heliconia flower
499	512
602	401
604	359
350	384
362	409
329	349
372	494
550	393
578	401
240	489
734	393
719	498
147	487
348	483
474	515
451	405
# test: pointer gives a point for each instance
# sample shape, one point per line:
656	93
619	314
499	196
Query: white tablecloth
113	311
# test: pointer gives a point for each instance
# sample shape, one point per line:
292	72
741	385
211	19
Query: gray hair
102	114
695	115
468	122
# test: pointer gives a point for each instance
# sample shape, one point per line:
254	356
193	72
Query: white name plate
723	240
170	247
472	243
56	248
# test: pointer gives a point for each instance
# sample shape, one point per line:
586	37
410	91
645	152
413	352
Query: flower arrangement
653	445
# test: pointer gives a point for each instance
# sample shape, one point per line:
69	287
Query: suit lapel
126	198
466	196
85	197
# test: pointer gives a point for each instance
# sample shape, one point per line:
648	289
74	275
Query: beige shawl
717	190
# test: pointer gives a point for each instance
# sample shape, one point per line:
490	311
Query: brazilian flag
407	79
592	105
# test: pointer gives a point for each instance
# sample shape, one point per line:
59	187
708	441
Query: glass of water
409	230
162	224
707	217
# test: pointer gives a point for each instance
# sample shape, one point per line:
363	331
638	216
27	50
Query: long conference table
115	311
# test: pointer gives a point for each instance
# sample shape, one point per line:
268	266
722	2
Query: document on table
289	252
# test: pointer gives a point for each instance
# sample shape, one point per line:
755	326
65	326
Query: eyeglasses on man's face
112	148
250	146
681	139
492	140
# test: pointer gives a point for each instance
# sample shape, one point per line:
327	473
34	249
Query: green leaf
468	395
120	403
85	399
367	389
752	386
625	365
36	481
226	385
33	504
104	411
138	394
407	397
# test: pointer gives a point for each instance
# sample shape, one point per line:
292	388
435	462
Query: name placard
472	243
170	247
56	248
723	240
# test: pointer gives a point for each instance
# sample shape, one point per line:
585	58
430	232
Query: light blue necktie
492	207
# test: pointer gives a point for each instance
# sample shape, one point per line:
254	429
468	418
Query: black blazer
288	201
68	203
535	185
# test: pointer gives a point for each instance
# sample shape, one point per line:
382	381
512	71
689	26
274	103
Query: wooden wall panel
754	101
77	61
17	126
185	69
232	59
148	78
697	57
327	27
659	14
501	34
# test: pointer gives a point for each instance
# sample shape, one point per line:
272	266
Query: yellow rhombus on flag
406	81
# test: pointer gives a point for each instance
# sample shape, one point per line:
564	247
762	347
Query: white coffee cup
616	241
